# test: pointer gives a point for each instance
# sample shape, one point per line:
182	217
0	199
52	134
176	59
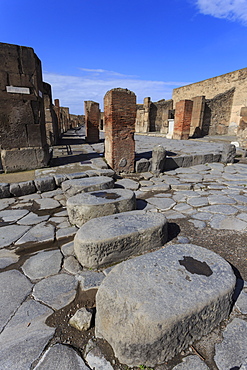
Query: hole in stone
104	194
195	267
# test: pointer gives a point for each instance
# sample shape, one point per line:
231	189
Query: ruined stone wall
242	128
22	119
217	85
92	121
51	122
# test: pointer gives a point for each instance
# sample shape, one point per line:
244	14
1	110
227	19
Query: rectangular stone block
92	121
182	121
120	114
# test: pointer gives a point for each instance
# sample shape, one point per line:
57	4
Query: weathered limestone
188	291
92	119
51	121
81	320
182	121
107	240
197	116
158	159
73	187
85	206
22	121
120	113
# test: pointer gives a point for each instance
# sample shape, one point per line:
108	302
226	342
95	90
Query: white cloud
72	91
234	10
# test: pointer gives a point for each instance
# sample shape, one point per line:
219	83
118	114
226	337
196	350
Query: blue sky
88	47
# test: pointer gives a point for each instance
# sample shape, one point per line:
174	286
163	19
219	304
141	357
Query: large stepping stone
107	240
73	187
152	307
85	206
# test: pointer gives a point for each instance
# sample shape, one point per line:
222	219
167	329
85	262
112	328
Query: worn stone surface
158	159
31	335
95	357
15	287
7	257
32	219
65	232
81	320
72	265
191	363
73	187
147	335
43	264
45	183
40	233
47	203
232	351
61	357
106	240
9	234
56	291
90	279
86	206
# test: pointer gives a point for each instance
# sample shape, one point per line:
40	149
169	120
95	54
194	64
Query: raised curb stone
188	291
86	206
106	240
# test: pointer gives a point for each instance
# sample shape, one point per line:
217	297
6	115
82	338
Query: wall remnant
242	128
51	121
183	114
120	115
92	121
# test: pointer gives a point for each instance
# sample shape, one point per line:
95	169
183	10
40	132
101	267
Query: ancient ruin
92	121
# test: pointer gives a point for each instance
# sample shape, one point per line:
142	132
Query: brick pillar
120	114
57	111
182	121
92	120
197	116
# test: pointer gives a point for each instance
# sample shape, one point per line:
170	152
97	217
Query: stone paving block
107	240
163	204
9	234
181	186
40	233
13	215
227	223
45	183
66	232
221	209
142	165
56	291
61	357
95	357
31	335
77	175
241	302
52	194
32	219
127	184
22	188
232	351
4	190
4	203
73	187
198	201
72	266
15	287
68	249
59	178
156	323
86	206
47	203
220	199
191	363
90	279
7	257
42	264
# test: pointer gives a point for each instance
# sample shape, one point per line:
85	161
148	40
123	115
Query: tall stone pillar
92	121
197	116
182	121
58	113
51	123
120	114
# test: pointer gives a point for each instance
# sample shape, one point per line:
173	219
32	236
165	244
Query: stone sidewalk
40	275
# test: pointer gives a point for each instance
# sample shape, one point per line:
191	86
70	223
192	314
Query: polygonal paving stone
40	233
32	219
86	206
47	203
4	203
56	291
127	184
13	215
227	223
156	299
198	201
43	264
232	351
9	234
220	208
106	240
66	232
25	336
220	199
73	187
90	279
7	257
191	363
163	204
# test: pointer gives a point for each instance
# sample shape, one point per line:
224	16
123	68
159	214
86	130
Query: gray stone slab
86	206
221	209
204	216
77	175
15	287
127	184
73	187
163	204
4	203
173	215
56	291
244	365
32	219
241	302
45	183
22	188
72	266
51	194
25	337
188	289
227	223
240	198
66	232
191	363
7	257
198	201
232	351
198	224
181	186
13	215
9	234
42	264
220	199
242	216
182	207
47	203
68	249
107	240
4	190
90	279
61	357
194	178
95	357
40	233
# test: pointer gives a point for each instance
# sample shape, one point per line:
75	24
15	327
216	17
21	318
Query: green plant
143	367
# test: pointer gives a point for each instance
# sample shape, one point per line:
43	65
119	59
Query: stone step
73	187
85	206
152	307
108	240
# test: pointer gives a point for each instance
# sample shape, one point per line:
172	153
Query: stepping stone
86	206
61	357
163	301
14	288
43	264
25	336
73	187
107	240
56	291
232	351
